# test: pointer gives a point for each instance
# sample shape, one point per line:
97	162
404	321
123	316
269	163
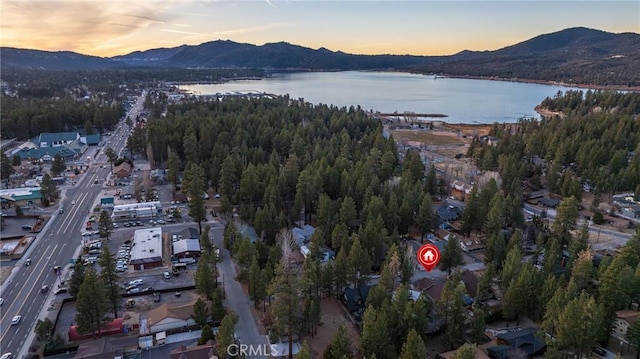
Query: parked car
136	282
134	290
61	290
166	275
1	301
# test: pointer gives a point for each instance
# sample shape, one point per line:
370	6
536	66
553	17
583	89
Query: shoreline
468	77
544	82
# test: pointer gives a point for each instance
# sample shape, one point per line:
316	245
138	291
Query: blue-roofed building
48	139
21	196
525	339
46	154
448	213
91	140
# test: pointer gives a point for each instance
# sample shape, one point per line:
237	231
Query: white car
166	275
6	356
137	282
73	203
1	301
16	320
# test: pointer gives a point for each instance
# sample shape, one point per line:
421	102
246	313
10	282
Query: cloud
77	25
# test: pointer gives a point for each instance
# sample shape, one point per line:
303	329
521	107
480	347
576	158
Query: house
460	190
195	351
187	248
122	170
624	319
56	139
471	245
302	234
431	287
632	211
108	348
470	281
356	298
448	213
165	317
548	202
525	339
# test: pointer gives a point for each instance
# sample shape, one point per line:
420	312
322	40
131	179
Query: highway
55	245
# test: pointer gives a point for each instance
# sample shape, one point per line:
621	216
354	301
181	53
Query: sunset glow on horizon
109	28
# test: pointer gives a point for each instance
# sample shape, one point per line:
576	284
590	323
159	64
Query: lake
462	100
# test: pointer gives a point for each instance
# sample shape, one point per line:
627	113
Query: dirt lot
4	273
427	137
334	314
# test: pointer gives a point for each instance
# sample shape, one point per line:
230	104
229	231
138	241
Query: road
55	245
235	298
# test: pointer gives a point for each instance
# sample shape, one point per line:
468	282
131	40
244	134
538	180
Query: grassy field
426	137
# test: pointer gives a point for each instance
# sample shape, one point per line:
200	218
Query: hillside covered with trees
594	138
278	161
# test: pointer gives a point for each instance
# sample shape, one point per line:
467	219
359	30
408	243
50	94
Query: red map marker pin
428	256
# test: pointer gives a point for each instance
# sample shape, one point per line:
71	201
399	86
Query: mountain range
576	55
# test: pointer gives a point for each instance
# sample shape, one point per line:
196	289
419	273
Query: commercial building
146	249
143	210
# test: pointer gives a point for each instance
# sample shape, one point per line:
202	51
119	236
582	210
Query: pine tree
565	221
577	325
204	278
413	347
226	333
49	190
304	352
285	307
359	263
206	334
58	166
205	242
512	266
452	256
633	336
193	186
77	277
451	307
426	216
105	224
375	335
340	345
256	285
471	213
92	304
495	218
467	351
200	313
110	278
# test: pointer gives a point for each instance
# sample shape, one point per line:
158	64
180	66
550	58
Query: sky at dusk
116	27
